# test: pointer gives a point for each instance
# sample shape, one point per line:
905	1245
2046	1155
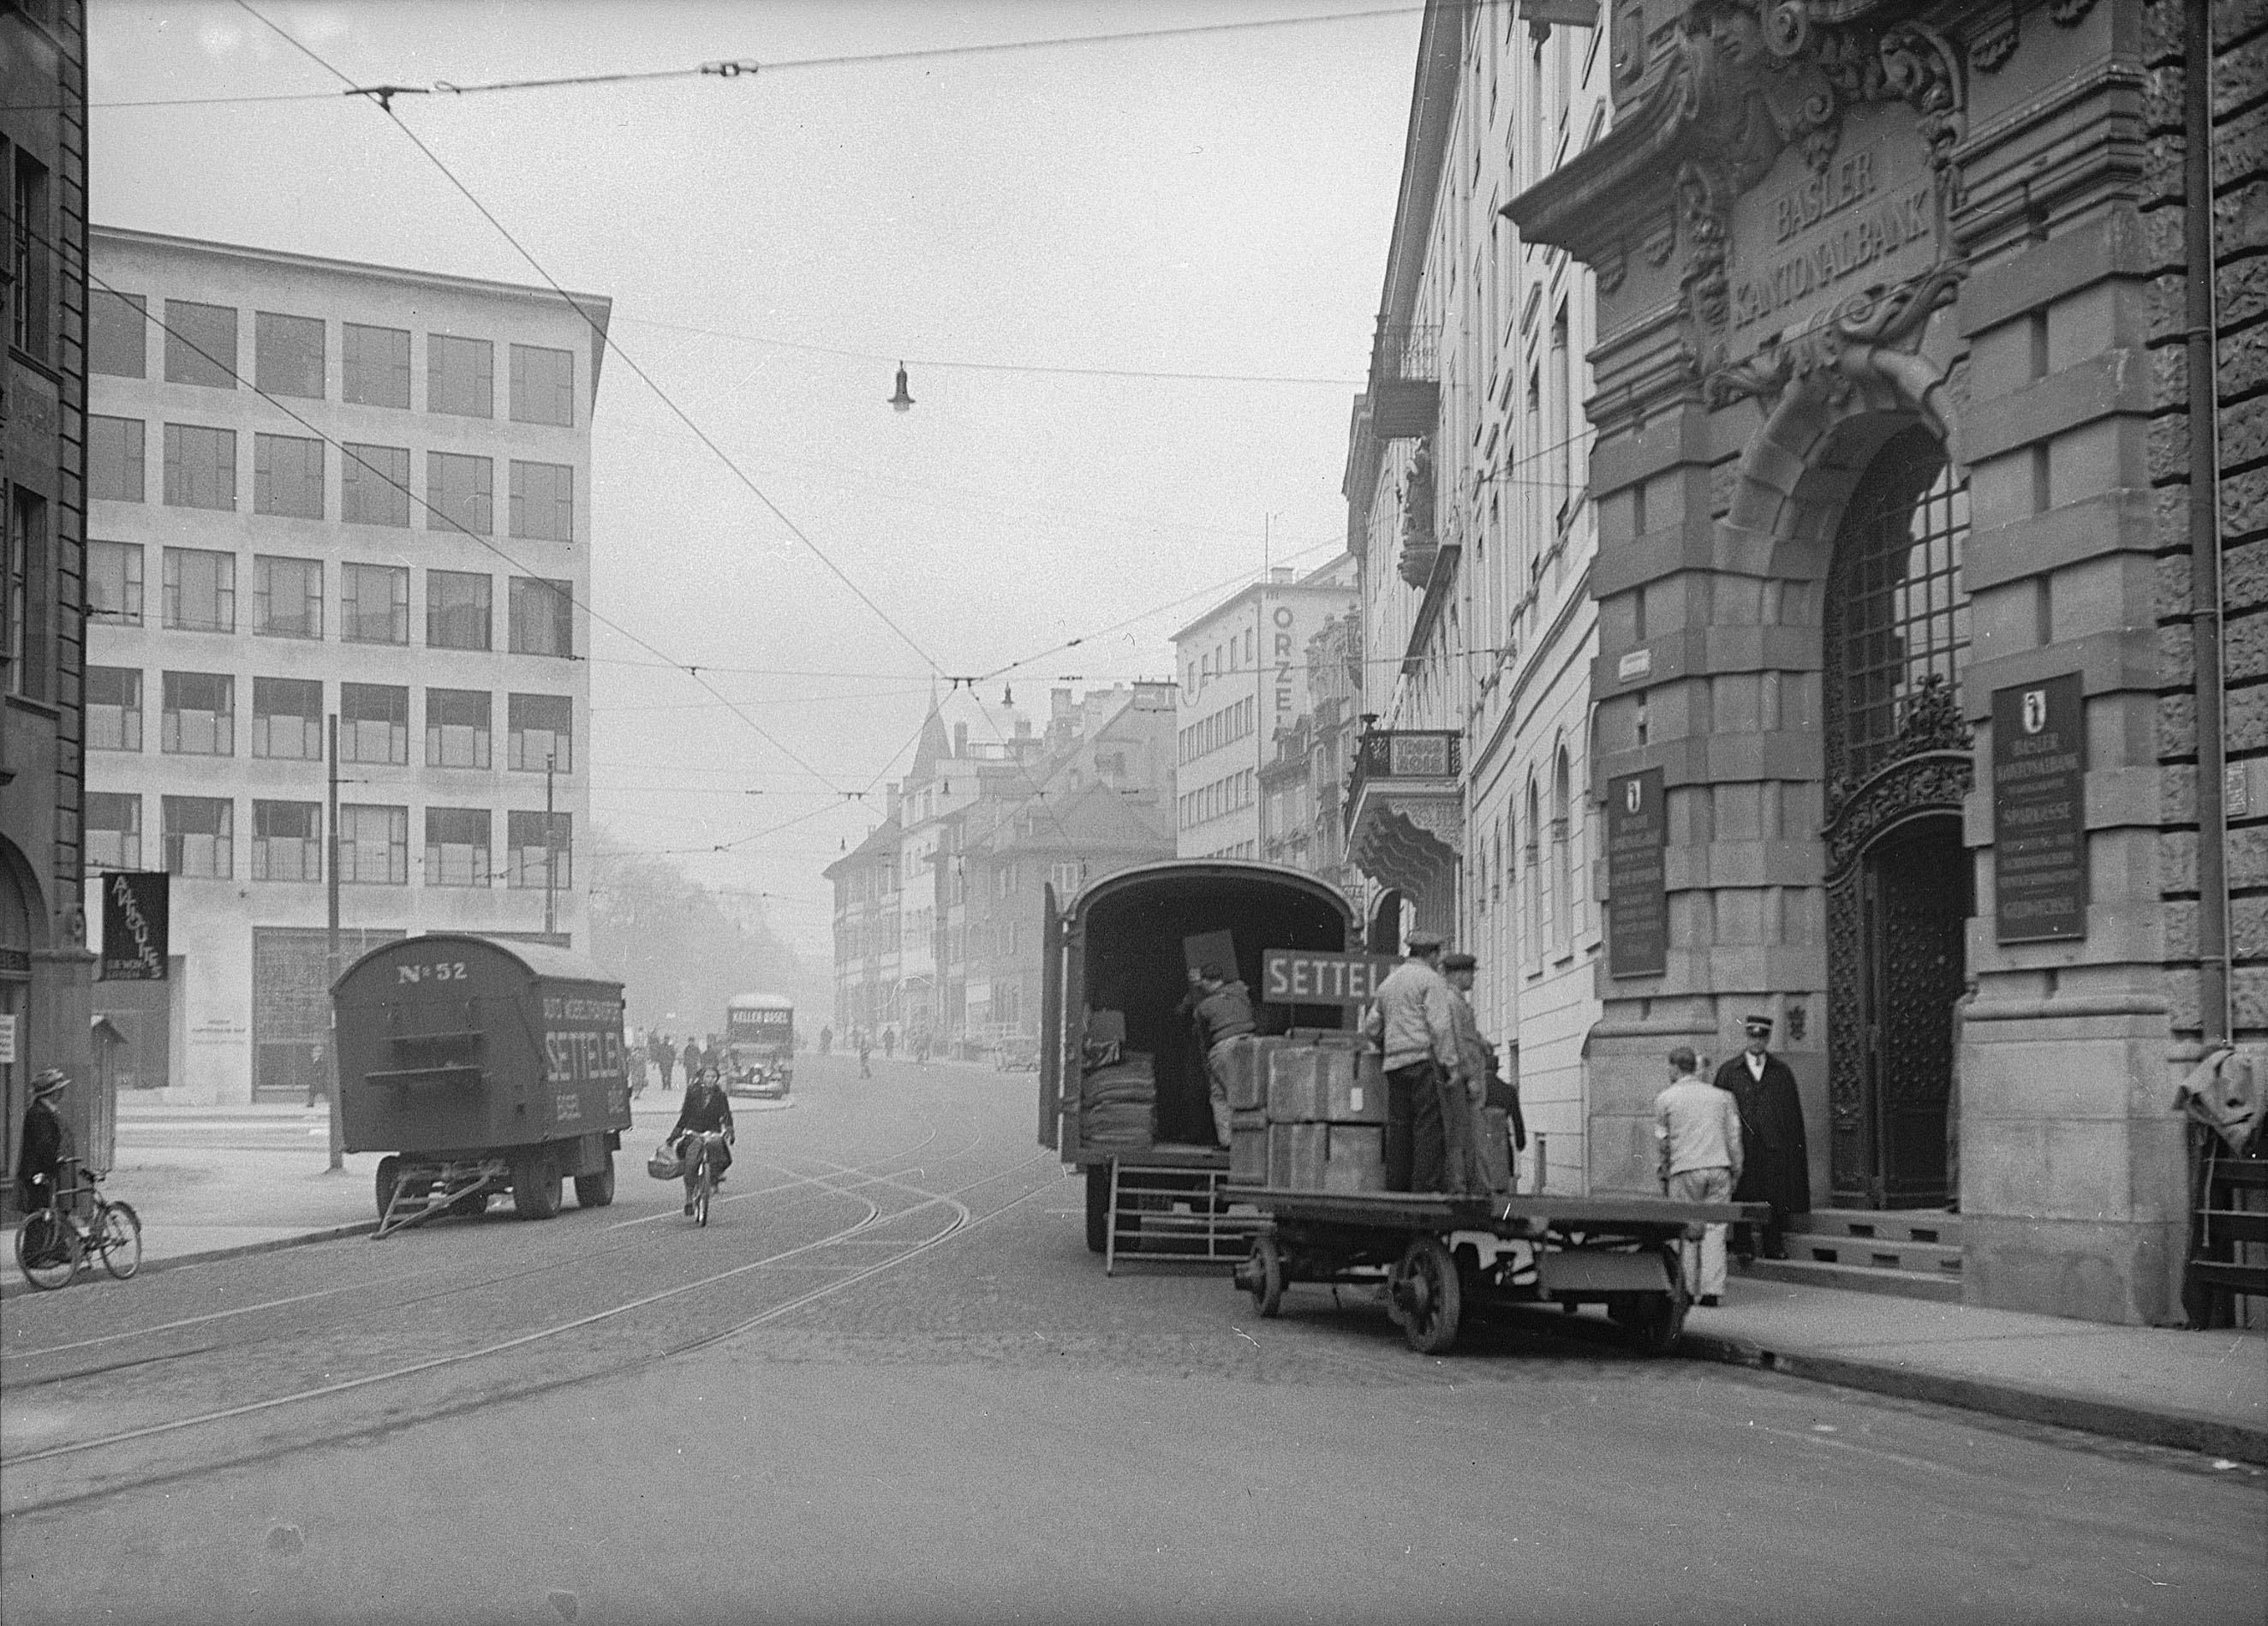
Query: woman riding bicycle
708	1110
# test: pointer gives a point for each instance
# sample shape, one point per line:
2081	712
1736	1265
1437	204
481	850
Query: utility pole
331	950
550	849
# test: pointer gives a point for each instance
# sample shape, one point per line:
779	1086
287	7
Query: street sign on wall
1638	895
2039	811
135	921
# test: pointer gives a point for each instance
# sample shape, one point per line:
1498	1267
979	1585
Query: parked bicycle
53	1244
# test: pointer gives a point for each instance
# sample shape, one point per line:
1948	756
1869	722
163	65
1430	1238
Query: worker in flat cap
1775	1162
1463	1104
1414	1026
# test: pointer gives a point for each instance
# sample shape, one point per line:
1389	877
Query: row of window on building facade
1225	727
291	357
291	480
1223	796
198	841
198	717
198	594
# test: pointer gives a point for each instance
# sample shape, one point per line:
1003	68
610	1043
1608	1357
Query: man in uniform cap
1776	1163
1462	1105
1413	1026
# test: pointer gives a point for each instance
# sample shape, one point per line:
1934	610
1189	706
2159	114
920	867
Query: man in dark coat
1775	1162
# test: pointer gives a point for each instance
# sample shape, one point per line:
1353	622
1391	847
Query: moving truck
1121	1078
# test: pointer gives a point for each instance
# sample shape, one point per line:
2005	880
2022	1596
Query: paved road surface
890	1383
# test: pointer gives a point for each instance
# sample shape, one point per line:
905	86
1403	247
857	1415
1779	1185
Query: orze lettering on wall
1284	658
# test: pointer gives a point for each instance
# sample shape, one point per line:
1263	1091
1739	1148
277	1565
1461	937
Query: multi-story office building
1470	803
1243	675
327	495
45	969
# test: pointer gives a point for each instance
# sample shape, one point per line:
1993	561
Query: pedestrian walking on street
665	1057
889	1042
865	1052
1775	1158
1220	1010
1412	1026
1465	1097
826	1039
1698	1127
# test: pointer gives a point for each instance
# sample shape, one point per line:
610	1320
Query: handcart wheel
1264	1276
1426	1289
1656	1321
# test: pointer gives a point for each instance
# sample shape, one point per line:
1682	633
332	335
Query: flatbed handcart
1442	1253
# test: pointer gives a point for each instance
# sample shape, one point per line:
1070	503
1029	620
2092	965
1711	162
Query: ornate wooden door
1898	767
1915	887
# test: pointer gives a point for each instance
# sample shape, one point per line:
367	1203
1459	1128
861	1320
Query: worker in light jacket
1415	1029
1698	1127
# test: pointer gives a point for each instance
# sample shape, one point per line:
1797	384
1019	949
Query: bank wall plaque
1638	896
2039	811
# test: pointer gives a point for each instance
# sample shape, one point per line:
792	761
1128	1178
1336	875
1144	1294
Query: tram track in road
834	1177
555	1256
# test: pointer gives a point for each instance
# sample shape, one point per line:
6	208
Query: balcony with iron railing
1405	379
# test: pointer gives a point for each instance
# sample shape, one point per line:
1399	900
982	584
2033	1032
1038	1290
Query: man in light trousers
1699	1129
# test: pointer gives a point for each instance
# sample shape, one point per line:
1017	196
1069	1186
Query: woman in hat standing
45	1143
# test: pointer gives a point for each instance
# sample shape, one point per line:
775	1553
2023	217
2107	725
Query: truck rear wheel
1098	1207
596	1191
534	1185
389	1168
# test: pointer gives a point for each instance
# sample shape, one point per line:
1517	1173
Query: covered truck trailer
479	1067
1122	1083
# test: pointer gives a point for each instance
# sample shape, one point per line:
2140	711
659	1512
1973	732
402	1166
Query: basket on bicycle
664	1165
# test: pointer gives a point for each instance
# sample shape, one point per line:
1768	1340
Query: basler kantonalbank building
1905	517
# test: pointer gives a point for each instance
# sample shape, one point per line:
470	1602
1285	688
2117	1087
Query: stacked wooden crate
1326	1116
1248	1109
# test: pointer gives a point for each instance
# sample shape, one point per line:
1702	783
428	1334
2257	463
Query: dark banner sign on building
1638	896
2039	811
136	916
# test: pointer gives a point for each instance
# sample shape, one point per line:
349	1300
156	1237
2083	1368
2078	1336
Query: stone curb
16	1286
2240	1441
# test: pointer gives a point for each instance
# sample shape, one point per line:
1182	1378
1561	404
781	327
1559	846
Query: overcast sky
1215	202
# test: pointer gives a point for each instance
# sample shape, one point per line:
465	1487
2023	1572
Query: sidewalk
212	1182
